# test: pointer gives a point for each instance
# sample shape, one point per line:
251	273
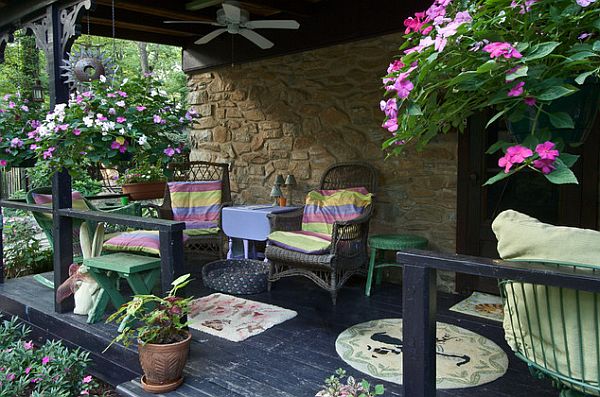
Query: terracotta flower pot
145	191
163	365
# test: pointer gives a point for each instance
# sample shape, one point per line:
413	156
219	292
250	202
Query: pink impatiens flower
45	360
87	379
547	151
517	90
28	345
140	108
525	6
585	3
170	152
48	155
389	107
76	132
3	163
502	49
514	155
544	165
530	101
391	124
120	145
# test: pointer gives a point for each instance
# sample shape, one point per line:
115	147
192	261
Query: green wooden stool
388	242
141	272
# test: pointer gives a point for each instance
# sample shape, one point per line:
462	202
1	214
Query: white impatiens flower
103	78
103	101
143	140
121	104
122	131
88	121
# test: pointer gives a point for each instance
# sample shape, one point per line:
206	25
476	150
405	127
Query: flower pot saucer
160	388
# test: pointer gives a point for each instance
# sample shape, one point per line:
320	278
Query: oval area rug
464	358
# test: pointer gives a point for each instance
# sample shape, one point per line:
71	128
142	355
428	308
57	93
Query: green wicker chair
45	222
556	331
348	254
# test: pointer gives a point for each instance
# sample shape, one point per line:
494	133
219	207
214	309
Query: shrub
23	251
49	370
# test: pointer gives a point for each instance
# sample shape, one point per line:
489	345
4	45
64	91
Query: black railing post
171	257
418	330
62	232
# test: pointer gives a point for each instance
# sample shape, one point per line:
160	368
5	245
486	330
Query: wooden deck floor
290	359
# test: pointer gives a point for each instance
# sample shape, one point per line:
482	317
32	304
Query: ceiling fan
235	20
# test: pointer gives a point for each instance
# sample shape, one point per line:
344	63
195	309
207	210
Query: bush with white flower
517	57
112	122
18	119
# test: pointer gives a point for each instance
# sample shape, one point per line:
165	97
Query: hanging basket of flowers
18	120
111	123
520	58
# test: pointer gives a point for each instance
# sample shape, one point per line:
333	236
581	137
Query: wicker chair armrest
286	221
352	232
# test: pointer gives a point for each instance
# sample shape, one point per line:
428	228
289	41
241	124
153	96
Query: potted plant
520	58
159	326
112	122
335	387
144	181
18	118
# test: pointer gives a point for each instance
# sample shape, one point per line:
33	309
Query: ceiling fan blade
201	4
205	39
273	24
194	22
257	39
232	12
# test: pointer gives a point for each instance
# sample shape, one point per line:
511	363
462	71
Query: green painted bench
141	272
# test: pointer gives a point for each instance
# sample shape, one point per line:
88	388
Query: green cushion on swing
556	328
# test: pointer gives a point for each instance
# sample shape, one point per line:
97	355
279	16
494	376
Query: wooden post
171	257
418	330
61	183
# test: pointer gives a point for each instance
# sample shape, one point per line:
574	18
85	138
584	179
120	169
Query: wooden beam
138	35
296	8
19	10
137	26
144	8
200	4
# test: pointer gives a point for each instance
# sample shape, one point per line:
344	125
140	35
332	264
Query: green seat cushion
302	241
556	328
202	232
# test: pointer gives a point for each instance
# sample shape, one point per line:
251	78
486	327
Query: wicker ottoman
236	276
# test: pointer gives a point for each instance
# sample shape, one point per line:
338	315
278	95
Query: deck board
289	360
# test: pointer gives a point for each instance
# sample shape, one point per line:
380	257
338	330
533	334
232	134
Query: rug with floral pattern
463	359
481	305
234	318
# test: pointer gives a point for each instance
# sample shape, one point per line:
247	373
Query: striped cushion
325	207
306	242
198	204
46	200
146	241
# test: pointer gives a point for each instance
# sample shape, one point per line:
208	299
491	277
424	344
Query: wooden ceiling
144	20
322	23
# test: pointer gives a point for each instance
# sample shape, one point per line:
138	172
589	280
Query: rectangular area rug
482	305
234	318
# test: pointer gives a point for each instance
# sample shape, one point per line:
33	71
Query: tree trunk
143	47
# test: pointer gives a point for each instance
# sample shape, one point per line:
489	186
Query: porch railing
170	235
419	302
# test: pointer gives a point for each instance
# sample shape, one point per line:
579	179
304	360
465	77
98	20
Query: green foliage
23	251
48	370
143	171
41	175
514	57
335	387
153	319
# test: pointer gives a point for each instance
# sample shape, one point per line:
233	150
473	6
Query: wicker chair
348	253
195	171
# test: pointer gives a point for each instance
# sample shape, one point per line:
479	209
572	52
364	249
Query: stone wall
300	113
